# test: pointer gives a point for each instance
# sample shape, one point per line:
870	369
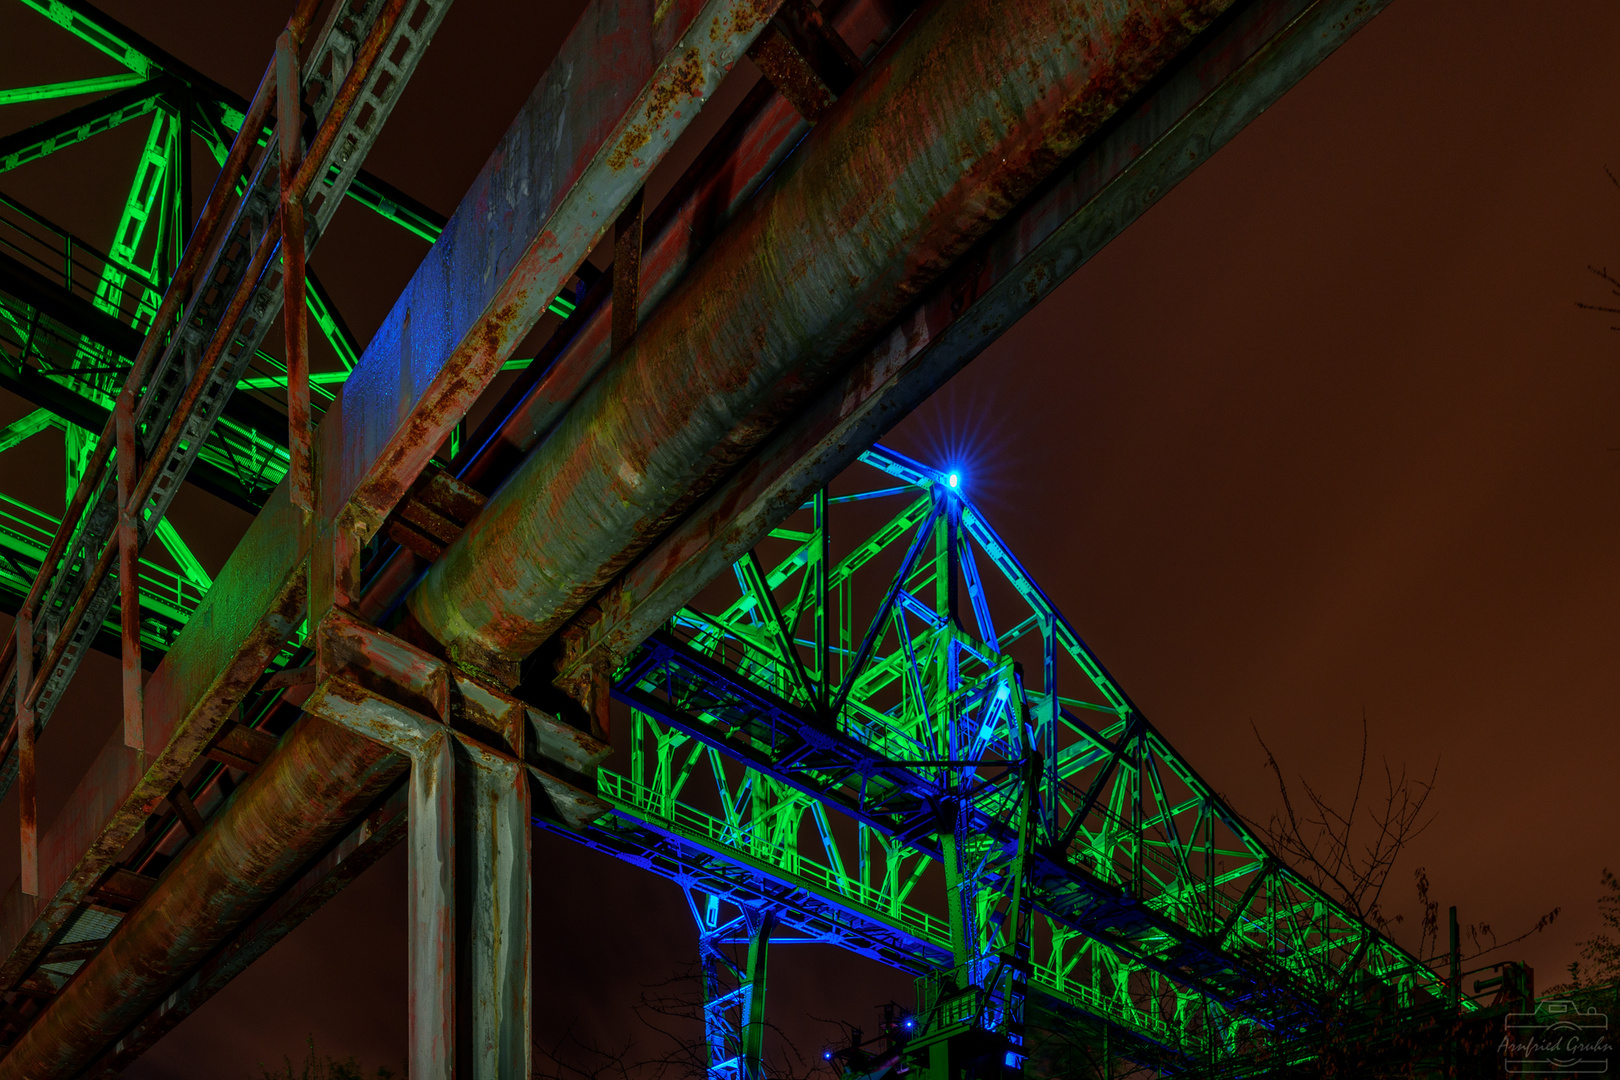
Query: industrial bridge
854	717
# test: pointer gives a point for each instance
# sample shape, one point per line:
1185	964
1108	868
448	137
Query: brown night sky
1323	433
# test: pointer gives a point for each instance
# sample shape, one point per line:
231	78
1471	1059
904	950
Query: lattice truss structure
73	312
885	730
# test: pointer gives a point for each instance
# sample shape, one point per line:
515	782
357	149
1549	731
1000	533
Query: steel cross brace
806	755
734	1019
468	833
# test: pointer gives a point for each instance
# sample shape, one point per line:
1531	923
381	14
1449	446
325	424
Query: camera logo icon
1559	1038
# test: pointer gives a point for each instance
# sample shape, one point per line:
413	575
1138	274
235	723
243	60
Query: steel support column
468	834
733	993
760	924
474	754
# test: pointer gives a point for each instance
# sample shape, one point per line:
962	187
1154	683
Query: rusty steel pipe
977	103
317	780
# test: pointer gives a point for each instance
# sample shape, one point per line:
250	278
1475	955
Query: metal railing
25	536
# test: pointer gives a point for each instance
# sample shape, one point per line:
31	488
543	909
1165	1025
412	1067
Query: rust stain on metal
910	176
319	778
684	81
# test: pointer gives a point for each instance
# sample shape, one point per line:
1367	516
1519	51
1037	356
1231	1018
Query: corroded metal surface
747	150
623	88
1214	93
807	61
977	104
319	778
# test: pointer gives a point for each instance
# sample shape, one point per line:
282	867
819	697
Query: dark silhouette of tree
1594	979
317	1066
668	1043
1349	854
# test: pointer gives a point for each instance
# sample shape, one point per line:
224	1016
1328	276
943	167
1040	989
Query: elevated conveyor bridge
854	716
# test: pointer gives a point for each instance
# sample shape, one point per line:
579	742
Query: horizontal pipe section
968	111
298	801
360	849
1212	95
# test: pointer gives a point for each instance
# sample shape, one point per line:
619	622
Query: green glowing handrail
25	534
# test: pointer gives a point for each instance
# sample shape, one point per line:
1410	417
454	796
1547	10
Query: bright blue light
826	1055
908	1023
953	479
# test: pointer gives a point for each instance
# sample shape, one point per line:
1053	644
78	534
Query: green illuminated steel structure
877	733
888	738
72	314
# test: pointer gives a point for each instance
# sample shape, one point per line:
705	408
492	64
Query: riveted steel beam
905	174
1211	95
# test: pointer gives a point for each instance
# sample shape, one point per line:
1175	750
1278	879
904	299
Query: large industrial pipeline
319	778
966	113
977	102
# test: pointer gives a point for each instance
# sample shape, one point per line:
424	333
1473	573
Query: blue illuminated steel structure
857	748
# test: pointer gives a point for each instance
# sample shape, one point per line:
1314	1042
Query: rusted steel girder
626	84
973	105
1212	94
